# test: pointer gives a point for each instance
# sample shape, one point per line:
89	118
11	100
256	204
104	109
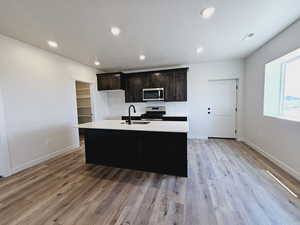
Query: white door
222	107
4	155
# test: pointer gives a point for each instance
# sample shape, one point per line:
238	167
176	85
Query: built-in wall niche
84	109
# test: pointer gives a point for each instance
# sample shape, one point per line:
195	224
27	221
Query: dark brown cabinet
102	148
159	147
157	79
160	152
176	85
173	81
133	84
109	81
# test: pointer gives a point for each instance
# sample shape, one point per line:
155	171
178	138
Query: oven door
153	94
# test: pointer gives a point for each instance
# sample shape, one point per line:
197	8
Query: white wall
196	107
198	77
38	91
278	139
4	154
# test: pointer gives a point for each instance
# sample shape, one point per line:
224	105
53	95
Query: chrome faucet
129	115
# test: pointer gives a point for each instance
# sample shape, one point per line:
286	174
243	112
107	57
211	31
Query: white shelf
84	115
83	96
84	107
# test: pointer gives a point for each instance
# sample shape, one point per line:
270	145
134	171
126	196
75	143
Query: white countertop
175	115
165	115
154	126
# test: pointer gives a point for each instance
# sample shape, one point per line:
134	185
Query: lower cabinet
111	148
164	153
160	152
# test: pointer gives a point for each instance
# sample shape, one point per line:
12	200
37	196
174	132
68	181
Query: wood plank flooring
227	185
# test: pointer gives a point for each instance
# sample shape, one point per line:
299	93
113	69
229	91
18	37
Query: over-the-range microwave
153	94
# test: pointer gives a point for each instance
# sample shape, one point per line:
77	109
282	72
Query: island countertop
153	126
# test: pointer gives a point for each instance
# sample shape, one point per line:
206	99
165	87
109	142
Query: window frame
283	77
282	88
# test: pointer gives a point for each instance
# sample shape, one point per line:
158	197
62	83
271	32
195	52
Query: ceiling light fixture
142	57
199	50
97	63
115	31
52	44
248	36
208	12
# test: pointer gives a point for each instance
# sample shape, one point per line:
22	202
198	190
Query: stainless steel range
154	113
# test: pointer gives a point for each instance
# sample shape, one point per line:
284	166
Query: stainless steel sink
137	122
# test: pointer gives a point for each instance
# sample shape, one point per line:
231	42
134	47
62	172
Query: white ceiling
166	31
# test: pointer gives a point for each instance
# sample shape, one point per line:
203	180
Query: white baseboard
43	158
278	162
6	173
200	137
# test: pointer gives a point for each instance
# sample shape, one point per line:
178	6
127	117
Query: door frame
5	154
91	95
237	83
91	84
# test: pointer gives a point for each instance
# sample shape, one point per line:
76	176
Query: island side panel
165	152
161	152
111	148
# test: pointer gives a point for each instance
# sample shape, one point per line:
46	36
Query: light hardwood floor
227	185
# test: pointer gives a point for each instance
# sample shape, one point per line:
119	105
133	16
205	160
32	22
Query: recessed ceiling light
208	12
199	50
248	36
115	31
142	57
52	44
97	63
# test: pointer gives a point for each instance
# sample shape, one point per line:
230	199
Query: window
291	98
282	87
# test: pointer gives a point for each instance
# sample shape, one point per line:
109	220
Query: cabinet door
157	79
103	82
112	148
146	79
176	86
180	88
133	88
164	153
115	81
109	81
169	86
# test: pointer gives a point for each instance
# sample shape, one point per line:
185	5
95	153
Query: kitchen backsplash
118	107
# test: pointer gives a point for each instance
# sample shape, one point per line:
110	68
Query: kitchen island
156	146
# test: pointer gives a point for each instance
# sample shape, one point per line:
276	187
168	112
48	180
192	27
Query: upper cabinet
176	85
156	79
174	82
134	84
109	81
